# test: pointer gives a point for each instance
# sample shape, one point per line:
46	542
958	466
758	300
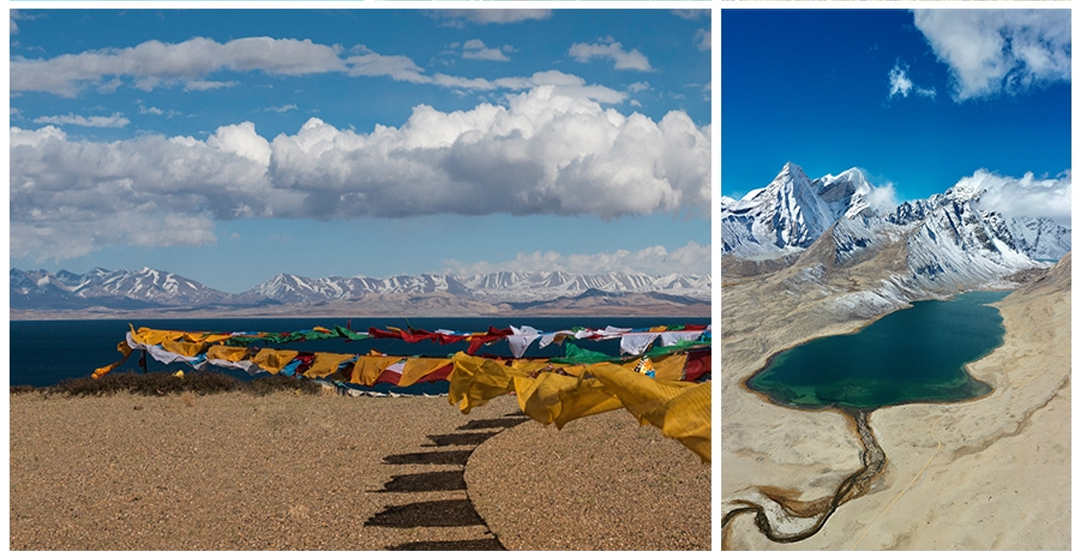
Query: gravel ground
602	482
235	471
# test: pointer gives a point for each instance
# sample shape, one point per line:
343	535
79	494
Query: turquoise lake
913	355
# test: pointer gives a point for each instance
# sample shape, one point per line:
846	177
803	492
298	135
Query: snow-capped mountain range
500	286
941	244
40	289
148	288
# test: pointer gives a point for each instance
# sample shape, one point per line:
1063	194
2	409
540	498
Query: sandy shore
992	473
235	471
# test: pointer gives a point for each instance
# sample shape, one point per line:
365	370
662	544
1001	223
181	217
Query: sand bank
235	471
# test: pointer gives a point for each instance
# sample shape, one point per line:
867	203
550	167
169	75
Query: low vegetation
162	383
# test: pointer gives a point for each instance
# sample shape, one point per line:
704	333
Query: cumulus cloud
690	259
542	153
1025	196
990	52
116	120
609	49
901	85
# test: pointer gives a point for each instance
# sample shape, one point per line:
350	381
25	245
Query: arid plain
991	473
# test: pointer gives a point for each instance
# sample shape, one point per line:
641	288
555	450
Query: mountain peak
792	173
791	212
792	168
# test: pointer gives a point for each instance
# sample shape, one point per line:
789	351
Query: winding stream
855	485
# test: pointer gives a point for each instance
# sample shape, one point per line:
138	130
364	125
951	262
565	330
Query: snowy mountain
287	288
942	244
1040	238
147	289
791	212
498	286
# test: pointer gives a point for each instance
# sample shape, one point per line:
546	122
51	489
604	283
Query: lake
913	355
44	353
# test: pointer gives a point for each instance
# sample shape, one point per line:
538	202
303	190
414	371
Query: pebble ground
236	471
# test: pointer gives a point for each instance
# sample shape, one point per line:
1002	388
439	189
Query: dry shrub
192	383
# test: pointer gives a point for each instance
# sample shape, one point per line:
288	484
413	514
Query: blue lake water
913	355
44	353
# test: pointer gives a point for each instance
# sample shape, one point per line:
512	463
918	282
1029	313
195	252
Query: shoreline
743	383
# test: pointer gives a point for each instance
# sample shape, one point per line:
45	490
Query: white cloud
901	85
690	259
16	15
153	63
542	153
882	198
487	16
703	37
1025	196
116	120
282	108
144	110
990	52
475	49
397	67
242	140
198	85
562	84
609	49
639	87
690	14
573	86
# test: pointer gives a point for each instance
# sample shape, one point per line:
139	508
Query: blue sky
232	145
918	100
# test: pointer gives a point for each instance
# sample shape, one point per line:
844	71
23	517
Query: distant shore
597	311
238	471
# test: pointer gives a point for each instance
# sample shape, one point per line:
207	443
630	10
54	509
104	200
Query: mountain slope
791	212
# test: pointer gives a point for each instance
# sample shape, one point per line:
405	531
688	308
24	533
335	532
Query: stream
855	485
